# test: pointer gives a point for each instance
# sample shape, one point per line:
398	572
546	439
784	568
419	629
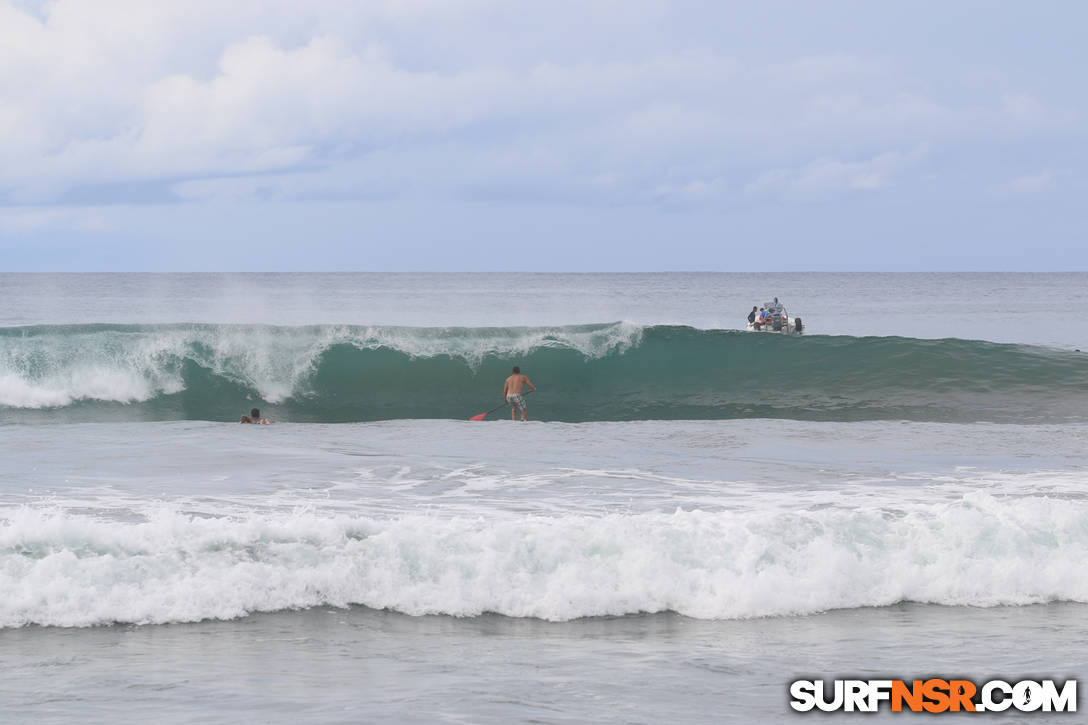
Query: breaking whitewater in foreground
73	569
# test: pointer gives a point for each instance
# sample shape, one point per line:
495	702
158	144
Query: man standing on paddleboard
511	391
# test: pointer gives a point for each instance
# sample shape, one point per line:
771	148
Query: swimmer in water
255	417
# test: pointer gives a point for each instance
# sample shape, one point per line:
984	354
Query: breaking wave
614	371
62	568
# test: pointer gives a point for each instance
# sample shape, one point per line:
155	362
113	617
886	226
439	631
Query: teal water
612	371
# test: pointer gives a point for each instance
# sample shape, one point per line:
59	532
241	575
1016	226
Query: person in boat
752	315
255	417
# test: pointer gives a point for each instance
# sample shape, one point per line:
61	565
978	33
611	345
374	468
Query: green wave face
612	371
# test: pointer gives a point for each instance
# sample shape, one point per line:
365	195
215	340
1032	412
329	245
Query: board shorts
516	401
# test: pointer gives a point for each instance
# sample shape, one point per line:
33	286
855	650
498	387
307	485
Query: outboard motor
776	322
797	326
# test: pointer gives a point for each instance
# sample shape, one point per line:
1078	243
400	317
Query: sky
552	135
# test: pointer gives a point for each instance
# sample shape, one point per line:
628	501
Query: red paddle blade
478	417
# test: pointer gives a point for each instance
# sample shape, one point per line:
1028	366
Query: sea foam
67	569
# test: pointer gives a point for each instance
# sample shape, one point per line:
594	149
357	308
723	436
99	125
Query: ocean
693	517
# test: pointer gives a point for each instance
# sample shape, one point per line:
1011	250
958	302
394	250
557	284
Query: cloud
823	178
458	99
829	69
1027	185
23	220
690	193
1022	109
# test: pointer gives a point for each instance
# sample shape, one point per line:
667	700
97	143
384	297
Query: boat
779	321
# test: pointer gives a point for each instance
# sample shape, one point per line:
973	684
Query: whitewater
693	516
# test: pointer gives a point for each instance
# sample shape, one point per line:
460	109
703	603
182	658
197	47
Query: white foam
64	569
474	344
125	383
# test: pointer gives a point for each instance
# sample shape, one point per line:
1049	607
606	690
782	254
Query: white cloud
825	177
688	193
22	220
270	97
1022	109
1028	184
822	70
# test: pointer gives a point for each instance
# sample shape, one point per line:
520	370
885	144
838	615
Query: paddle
481	416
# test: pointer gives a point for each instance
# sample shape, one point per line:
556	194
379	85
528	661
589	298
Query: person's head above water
254	417
517	370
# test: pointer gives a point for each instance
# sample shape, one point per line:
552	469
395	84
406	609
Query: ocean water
693	517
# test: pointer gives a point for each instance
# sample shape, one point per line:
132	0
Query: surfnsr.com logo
933	695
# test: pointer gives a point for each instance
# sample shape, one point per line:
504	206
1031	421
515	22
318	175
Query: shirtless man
511	393
255	417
